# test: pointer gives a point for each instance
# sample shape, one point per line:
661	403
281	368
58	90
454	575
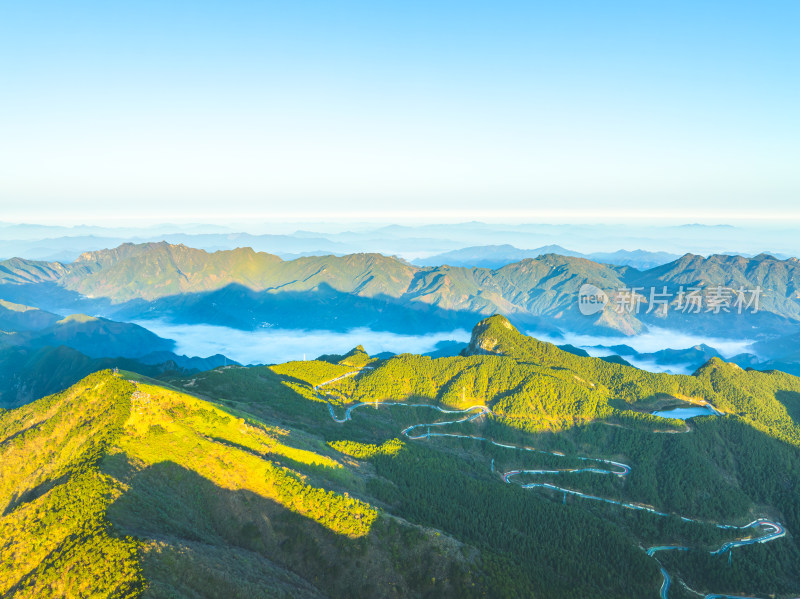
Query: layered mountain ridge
189	285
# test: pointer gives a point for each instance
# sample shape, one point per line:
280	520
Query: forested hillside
515	470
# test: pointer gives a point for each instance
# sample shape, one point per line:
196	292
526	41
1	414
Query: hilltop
248	290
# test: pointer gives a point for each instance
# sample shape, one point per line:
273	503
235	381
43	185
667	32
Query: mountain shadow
323	308
204	540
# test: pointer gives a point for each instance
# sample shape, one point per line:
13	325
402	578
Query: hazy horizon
409	240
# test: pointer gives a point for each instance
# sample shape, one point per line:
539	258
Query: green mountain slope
780	279
19	270
150	271
544	286
277	481
178	498
728	469
778	303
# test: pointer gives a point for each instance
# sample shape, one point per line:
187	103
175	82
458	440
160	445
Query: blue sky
542	111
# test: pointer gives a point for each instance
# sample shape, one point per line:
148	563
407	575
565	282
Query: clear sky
535	110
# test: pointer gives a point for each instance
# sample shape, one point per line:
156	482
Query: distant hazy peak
12	307
78	318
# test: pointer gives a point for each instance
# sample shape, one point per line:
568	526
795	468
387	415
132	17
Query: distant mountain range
29	372
65	244
497	256
95	337
247	289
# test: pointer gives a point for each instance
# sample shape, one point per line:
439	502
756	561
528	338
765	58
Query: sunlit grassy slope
118	488
54	496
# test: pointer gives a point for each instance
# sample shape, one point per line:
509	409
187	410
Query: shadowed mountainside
154	279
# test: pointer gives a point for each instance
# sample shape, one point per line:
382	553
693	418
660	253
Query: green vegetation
770	401
533	547
364	451
29	373
527	383
138	489
54	496
17	317
237	482
356	358
535	386
155	270
313	372
95	337
166	425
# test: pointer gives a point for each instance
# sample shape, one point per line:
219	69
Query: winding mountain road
770	530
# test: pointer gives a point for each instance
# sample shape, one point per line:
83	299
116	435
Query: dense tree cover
534	385
27	374
768	400
234	456
219	505
238	480
706	471
535	547
524	394
367	450
57	540
356	357
262	393
312	371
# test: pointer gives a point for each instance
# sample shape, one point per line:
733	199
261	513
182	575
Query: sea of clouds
653	340
272	346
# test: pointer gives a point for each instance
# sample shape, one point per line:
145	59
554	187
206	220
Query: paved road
765	530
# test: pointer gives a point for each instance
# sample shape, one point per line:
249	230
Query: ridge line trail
772	530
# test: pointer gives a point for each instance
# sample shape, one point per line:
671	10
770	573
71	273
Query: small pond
685	413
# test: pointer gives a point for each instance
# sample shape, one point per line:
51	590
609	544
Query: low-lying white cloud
653	340
649	365
271	346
